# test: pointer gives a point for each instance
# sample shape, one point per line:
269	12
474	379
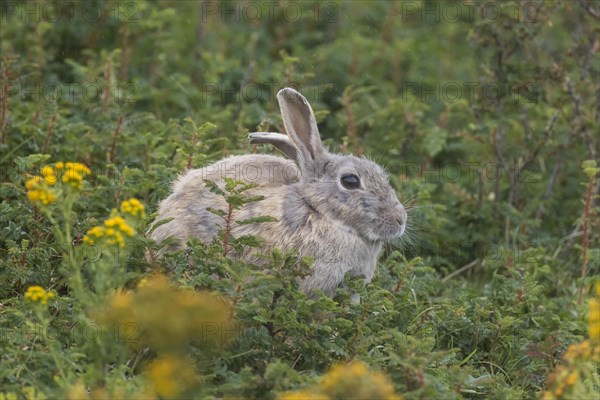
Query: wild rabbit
334	208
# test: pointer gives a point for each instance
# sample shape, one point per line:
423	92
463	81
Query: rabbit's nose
401	217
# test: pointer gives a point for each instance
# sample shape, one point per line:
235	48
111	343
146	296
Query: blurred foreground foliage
487	119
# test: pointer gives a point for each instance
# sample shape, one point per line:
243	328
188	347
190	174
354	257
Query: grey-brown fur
341	229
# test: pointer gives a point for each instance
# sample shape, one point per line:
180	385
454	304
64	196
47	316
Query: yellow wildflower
171	376
559	391
167	317
120	300
348	381
576	351
572	378
115	238
37	193
120	224
133	207
594	320
112	232
73	178
47	197
303	395
78	167
38	294
594	316
33	182
340	372
59	165
74	173
49	175
33	195
94	233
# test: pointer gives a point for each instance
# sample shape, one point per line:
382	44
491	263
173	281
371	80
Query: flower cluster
567	381
74	173
40	187
116	229
39	193
171	376
348	381
133	207
38	294
166	317
113	232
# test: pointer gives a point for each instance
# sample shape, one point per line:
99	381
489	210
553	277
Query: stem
113	147
4	97
64	236
227	232
352	129
586	234
52	349
49	133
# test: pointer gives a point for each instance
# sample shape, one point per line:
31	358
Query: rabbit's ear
280	141
301	126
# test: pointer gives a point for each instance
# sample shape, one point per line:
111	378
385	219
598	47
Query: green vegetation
485	113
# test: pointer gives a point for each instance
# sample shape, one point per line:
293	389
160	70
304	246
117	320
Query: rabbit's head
353	191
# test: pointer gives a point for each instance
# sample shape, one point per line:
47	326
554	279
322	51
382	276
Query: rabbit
337	209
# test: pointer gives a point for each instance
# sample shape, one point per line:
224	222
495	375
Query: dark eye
350	181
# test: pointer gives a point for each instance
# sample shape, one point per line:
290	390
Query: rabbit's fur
341	228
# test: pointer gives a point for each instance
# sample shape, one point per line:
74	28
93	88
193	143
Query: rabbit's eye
350	181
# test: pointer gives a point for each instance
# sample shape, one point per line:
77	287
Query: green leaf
435	140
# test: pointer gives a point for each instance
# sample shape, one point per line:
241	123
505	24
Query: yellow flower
78	167
166	318
59	165
559	391
303	395
48	174
33	182
114	221
74	173
38	294
355	379
113	232
96	231
572	378
548	396
120	300
171	376
594	316
578	351
73	178
116	238
594	320
47	197
340	372
33	195
133	207
38	193
358	369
